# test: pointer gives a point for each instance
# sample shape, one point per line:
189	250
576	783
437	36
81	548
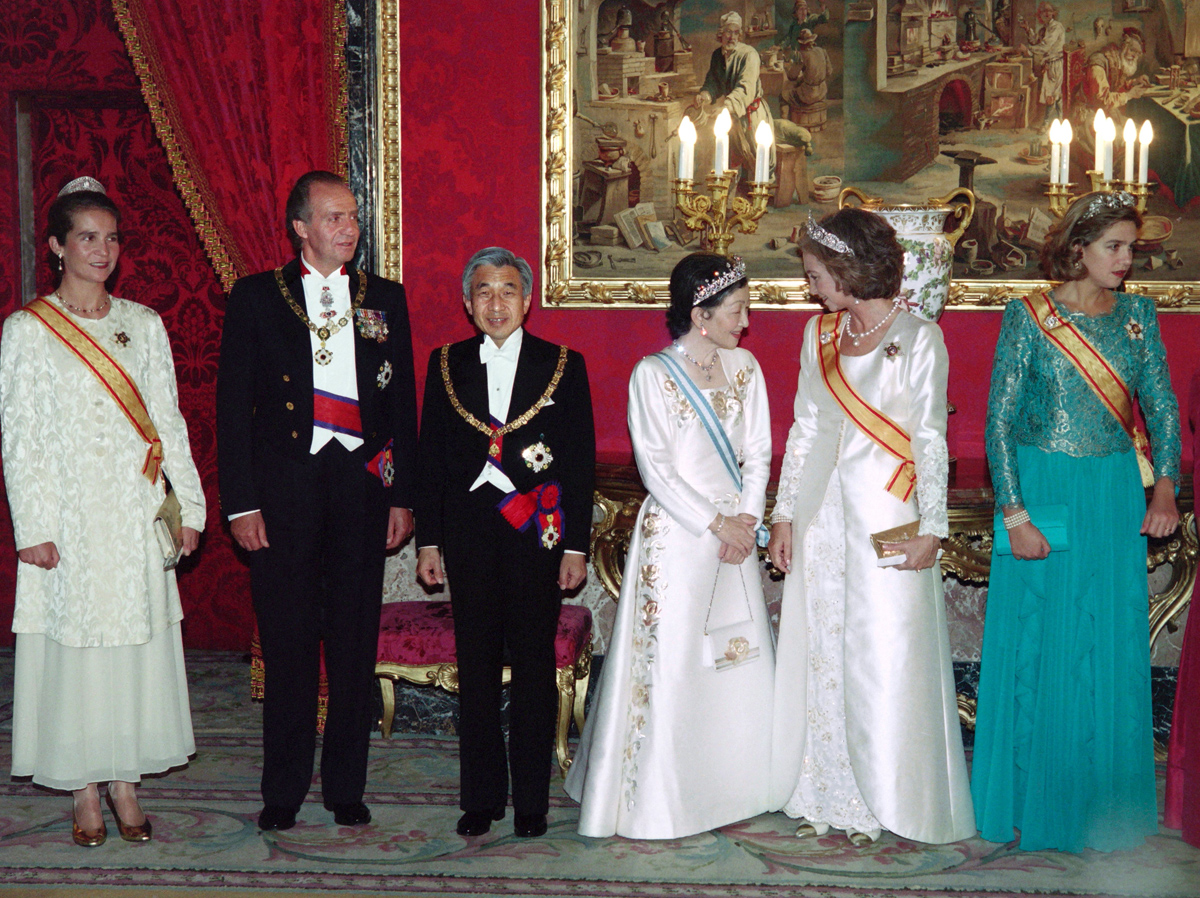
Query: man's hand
572	571
400	525
250	531
191	540
43	555
429	566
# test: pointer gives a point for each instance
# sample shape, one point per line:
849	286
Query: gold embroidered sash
1097	373
496	435
111	375
882	430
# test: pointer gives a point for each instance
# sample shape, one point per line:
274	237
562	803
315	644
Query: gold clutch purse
887	558
168	527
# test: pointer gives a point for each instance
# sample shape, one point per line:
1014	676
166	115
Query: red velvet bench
416	644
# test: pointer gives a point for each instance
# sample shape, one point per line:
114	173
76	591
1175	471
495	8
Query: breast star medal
122	338
891	351
1134	330
537	457
384	377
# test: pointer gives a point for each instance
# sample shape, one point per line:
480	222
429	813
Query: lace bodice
1038	398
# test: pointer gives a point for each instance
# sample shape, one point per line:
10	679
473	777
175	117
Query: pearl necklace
85	312
886	318
707	369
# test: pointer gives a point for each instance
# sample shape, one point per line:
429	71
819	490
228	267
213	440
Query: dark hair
298	206
61	218
692	273
497	257
1086	221
875	270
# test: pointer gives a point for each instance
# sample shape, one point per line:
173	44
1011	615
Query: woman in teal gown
1063	747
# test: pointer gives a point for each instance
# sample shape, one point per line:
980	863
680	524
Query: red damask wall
68	63
471	123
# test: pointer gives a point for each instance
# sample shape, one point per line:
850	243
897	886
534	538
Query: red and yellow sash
883	431
1097	373
111	375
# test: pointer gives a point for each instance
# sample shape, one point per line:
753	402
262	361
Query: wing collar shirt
340	376
501	362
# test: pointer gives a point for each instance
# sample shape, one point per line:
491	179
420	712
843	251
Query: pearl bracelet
720	524
1016	519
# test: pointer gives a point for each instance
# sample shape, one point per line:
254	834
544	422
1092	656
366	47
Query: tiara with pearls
826	237
85	183
1115	201
721	279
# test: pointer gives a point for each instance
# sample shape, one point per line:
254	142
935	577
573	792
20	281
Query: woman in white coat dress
99	691
678	736
866	731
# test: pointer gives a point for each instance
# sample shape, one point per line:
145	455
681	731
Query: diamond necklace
886	318
707	369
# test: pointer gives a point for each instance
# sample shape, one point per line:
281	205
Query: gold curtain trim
197	196
338	81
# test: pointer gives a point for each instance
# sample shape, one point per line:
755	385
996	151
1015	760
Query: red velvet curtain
245	97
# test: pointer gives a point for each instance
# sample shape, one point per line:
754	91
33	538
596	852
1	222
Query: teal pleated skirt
1064	749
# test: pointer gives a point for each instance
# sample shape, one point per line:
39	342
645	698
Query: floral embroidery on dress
677	403
650	589
1134	330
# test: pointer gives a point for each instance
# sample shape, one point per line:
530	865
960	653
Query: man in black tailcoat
507	460
316	441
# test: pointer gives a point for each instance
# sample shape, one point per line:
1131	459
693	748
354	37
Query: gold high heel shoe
87	838
139	833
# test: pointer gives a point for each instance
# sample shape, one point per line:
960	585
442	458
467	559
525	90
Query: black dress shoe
529	826
349	813
476	823
275	817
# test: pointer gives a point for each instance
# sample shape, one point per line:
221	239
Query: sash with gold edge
111	375
1097	373
883	431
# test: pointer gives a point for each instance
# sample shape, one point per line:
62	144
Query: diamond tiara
734	273
84	183
826	238
1114	201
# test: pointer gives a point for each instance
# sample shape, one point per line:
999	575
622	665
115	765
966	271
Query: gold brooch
122	338
1135	330
891	351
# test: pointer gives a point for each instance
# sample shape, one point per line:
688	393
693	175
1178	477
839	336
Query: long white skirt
92	715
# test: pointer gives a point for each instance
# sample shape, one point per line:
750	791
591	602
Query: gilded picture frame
586	119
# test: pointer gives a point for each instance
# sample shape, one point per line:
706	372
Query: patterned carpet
206	838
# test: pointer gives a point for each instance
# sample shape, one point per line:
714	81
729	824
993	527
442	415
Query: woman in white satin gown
674	744
866	730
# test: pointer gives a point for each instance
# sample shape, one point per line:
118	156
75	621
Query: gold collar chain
323	356
495	434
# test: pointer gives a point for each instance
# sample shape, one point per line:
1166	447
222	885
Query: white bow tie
489	350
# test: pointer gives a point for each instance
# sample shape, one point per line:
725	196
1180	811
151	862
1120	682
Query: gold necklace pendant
322	356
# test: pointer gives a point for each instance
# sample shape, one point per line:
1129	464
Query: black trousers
505	596
320	581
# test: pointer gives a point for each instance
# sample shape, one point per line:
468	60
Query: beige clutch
887	558
168	527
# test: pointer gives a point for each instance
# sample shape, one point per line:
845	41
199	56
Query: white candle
1130	140
1064	176
1098	127
687	149
763	137
1055	151
1147	134
721	130
1110	138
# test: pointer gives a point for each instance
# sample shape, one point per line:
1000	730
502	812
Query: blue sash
712	424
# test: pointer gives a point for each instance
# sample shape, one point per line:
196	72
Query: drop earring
704	331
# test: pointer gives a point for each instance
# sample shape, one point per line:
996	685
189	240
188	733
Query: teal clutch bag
1051	520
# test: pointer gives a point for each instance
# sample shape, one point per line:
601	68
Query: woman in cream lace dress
99	688
866	734
678	738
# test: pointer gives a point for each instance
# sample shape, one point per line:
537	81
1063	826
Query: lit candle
1064	176
1110	138
763	137
1098	127
687	148
1130	145
721	130
1055	151
1144	138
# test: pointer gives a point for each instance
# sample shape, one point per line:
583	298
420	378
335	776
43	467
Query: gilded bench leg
387	691
566	702
583	675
